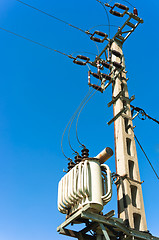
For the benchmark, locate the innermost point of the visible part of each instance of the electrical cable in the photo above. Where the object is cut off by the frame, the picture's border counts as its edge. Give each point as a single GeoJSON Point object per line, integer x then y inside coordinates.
{"type": "Point", "coordinates": [37, 43]}
{"type": "Point", "coordinates": [106, 14]}
{"type": "Point", "coordinates": [73, 117]}
{"type": "Point", "coordinates": [143, 113]}
{"type": "Point", "coordinates": [52, 16]}
{"type": "Point", "coordinates": [79, 116]}
{"type": "Point", "coordinates": [71, 120]}
{"type": "Point", "coordinates": [146, 157]}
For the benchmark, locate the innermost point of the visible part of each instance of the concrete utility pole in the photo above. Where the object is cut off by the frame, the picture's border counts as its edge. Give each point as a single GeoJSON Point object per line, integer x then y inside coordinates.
{"type": "Point", "coordinates": [130, 198]}
{"type": "Point", "coordinates": [79, 197]}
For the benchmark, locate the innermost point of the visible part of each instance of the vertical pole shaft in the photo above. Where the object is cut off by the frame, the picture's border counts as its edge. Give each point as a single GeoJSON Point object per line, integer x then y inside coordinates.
{"type": "Point", "coordinates": [130, 198]}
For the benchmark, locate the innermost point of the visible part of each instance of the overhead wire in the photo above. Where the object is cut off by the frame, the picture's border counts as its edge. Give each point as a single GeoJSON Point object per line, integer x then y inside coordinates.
{"type": "Point", "coordinates": [106, 14]}
{"type": "Point", "coordinates": [79, 116]}
{"type": "Point", "coordinates": [146, 157]}
{"type": "Point", "coordinates": [50, 15]}
{"type": "Point", "coordinates": [73, 117]}
{"type": "Point", "coordinates": [143, 113]}
{"type": "Point", "coordinates": [84, 101]}
{"type": "Point", "coordinates": [35, 42]}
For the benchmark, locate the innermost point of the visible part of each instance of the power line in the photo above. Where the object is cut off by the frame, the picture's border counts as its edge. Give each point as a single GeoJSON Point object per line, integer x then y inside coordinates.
{"type": "Point", "coordinates": [143, 113]}
{"type": "Point", "coordinates": [146, 157]}
{"type": "Point", "coordinates": [106, 14]}
{"type": "Point", "coordinates": [37, 43]}
{"type": "Point", "coordinates": [52, 16]}
{"type": "Point", "coordinates": [79, 116]}
{"type": "Point", "coordinates": [75, 114]}
{"type": "Point", "coordinates": [70, 123]}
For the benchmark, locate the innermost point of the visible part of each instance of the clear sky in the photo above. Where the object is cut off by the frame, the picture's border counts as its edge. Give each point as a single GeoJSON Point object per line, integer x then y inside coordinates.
{"type": "Point", "coordinates": [39, 92]}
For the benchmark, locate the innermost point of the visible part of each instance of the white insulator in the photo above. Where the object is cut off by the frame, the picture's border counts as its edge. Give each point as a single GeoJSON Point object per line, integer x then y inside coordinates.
{"type": "Point", "coordinates": [104, 155]}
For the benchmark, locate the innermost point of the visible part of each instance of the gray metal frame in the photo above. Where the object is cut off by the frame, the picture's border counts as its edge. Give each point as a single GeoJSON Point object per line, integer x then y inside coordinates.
{"type": "Point", "coordinates": [110, 226]}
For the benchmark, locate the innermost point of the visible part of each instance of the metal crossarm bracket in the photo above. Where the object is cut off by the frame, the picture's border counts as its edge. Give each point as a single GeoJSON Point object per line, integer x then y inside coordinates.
{"type": "Point", "coordinates": [128, 99]}
{"type": "Point", "coordinates": [114, 99]}
{"type": "Point", "coordinates": [118, 36]}
{"type": "Point", "coordinates": [124, 109]}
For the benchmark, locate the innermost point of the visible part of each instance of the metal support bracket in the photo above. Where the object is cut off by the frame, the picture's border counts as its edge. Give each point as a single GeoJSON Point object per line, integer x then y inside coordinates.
{"type": "Point", "coordinates": [104, 231]}
{"type": "Point", "coordinates": [114, 99]}
{"type": "Point", "coordinates": [129, 100]}
{"type": "Point", "coordinates": [124, 109]}
{"type": "Point", "coordinates": [110, 226]}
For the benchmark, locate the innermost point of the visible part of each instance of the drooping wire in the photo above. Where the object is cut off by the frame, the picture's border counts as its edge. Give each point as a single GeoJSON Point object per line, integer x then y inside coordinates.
{"type": "Point", "coordinates": [70, 123]}
{"type": "Point", "coordinates": [62, 140]}
{"type": "Point", "coordinates": [37, 43]}
{"type": "Point", "coordinates": [146, 157]}
{"type": "Point", "coordinates": [79, 116]}
{"type": "Point", "coordinates": [106, 14]}
{"type": "Point", "coordinates": [73, 117]}
{"type": "Point", "coordinates": [50, 15]}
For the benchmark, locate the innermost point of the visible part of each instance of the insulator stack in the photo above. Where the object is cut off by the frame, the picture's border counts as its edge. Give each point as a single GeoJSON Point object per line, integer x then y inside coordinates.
{"type": "Point", "coordinates": [78, 159]}
{"type": "Point", "coordinates": [95, 39]}
{"type": "Point", "coordinates": [79, 62]}
{"type": "Point", "coordinates": [96, 87]}
{"type": "Point", "coordinates": [116, 53]}
{"type": "Point", "coordinates": [117, 65]}
{"type": "Point", "coordinates": [96, 75]}
{"type": "Point", "coordinates": [115, 13]}
{"type": "Point", "coordinates": [102, 34]}
{"type": "Point", "coordinates": [85, 153]}
{"type": "Point", "coordinates": [105, 64]}
{"type": "Point", "coordinates": [83, 57]}
{"type": "Point", "coordinates": [135, 12]}
{"type": "Point", "coordinates": [121, 6]}
{"type": "Point", "coordinates": [106, 76]}
{"type": "Point", "coordinates": [71, 164]}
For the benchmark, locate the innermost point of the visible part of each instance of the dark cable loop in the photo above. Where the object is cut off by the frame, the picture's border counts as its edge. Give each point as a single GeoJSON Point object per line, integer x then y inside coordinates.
{"type": "Point", "coordinates": [73, 117]}
{"type": "Point", "coordinates": [79, 116]}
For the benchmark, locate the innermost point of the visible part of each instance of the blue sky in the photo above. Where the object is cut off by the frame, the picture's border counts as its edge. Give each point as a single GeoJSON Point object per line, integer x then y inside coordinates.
{"type": "Point", "coordinates": [39, 92]}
